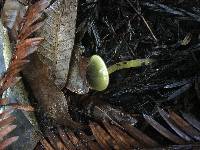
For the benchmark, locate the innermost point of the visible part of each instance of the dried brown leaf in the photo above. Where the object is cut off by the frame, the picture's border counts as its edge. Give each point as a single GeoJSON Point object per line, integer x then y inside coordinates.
{"type": "Point", "coordinates": [105, 111]}
{"type": "Point", "coordinates": [24, 48]}
{"type": "Point", "coordinates": [46, 144]}
{"type": "Point", "coordinates": [162, 130]}
{"type": "Point", "coordinates": [55, 141]}
{"type": "Point", "coordinates": [39, 6]}
{"type": "Point", "coordinates": [102, 137]}
{"type": "Point", "coordinates": [168, 120]}
{"type": "Point", "coordinates": [59, 34]}
{"type": "Point", "coordinates": [54, 103]}
{"type": "Point", "coordinates": [65, 139]}
{"type": "Point", "coordinates": [6, 128]}
{"type": "Point", "coordinates": [192, 120]}
{"type": "Point", "coordinates": [89, 141]}
{"type": "Point", "coordinates": [75, 140]}
{"type": "Point", "coordinates": [93, 145]}
{"type": "Point", "coordinates": [123, 140]}
{"type": "Point", "coordinates": [77, 81]}
{"type": "Point", "coordinates": [142, 138]}
{"type": "Point", "coordinates": [185, 126]}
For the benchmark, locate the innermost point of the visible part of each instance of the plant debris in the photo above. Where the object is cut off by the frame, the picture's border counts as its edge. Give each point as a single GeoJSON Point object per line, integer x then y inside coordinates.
{"type": "Point", "coordinates": [142, 107]}
{"type": "Point", "coordinates": [109, 136]}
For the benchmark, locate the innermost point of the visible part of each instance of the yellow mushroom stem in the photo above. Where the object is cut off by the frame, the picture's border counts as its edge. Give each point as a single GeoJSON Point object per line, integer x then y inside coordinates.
{"type": "Point", "coordinates": [129, 64]}
{"type": "Point", "coordinates": [98, 73]}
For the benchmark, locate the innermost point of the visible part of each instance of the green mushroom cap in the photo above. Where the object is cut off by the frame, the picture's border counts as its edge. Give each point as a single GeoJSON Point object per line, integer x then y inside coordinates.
{"type": "Point", "coordinates": [97, 73]}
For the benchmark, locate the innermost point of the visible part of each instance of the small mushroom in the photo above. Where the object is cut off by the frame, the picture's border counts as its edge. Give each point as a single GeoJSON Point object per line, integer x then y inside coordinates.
{"type": "Point", "coordinates": [98, 73]}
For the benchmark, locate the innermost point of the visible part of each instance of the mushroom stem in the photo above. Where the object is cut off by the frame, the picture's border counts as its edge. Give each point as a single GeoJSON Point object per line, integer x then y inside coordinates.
{"type": "Point", "coordinates": [129, 64]}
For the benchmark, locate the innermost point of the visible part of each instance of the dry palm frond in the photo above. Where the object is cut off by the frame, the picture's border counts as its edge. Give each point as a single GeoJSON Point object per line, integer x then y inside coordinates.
{"type": "Point", "coordinates": [109, 136]}
{"type": "Point", "coordinates": [24, 47]}
{"type": "Point", "coordinates": [68, 140]}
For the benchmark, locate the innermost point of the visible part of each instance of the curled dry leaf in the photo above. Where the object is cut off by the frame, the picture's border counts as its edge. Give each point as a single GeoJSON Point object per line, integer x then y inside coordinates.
{"type": "Point", "coordinates": [76, 81]}
{"type": "Point", "coordinates": [51, 100]}
{"type": "Point", "coordinates": [48, 71]}
{"type": "Point", "coordinates": [59, 34]}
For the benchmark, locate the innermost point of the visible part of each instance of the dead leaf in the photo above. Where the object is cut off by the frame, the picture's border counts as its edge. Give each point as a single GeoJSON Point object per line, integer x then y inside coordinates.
{"type": "Point", "coordinates": [65, 139]}
{"type": "Point", "coordinates": [123, 140]}
{"type": "Point", "coordinates": [162, 130]}
{"type": "Point", "coordinates": [172, 124]}
{"type": "Point", "coordinates": [46, 144]}
{"type": "Point", "coordinates": [102, 137]}
{"type": "Point", "coordinates": [142, 138]}
{"type": "Point", "coordinates": [59, 34]}
{"type": "Point", "coordinates": [185, 126]}
{"type": "Point", "coordinates": [77, 81]}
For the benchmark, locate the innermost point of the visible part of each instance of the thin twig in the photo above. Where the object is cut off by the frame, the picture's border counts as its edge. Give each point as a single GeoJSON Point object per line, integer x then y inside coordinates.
{"type": "Point", "coordinates": [145, 22]}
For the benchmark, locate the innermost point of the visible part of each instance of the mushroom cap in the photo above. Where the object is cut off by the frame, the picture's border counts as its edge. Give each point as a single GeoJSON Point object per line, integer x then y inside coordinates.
{"type": "Point", "coordinates": [97, 73]}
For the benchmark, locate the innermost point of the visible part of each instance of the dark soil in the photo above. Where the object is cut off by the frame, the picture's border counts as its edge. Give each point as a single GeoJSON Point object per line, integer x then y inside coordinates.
{"type": "Point", "coordinates": [130, 29]}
